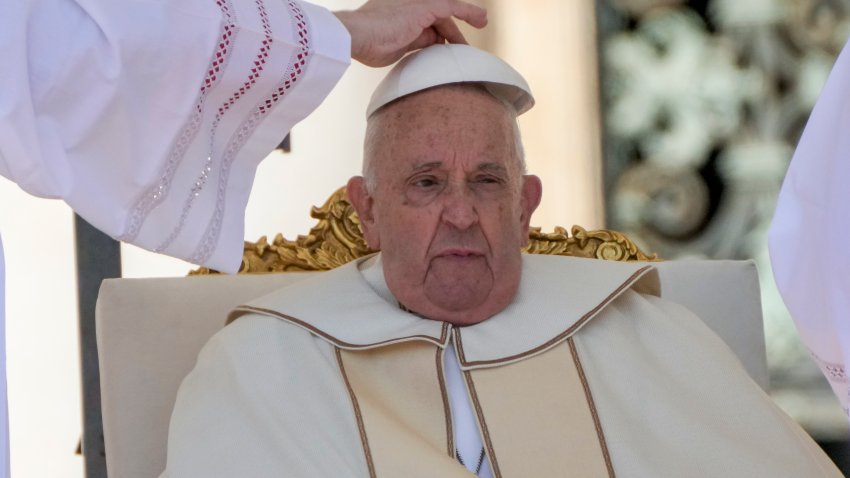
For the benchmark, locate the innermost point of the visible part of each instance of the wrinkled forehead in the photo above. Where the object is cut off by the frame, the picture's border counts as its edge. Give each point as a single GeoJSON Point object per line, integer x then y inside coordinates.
{"type": "Point", "coordinates": [459, 127]}
{"type": "Point", "coordinates": [458, 114]}
{"type": "Point", "coordinates": [452, 100]}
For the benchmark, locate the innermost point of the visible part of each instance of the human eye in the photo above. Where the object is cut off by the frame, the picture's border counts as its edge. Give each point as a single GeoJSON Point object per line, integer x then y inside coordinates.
{"type": "Point", "coordinates": [487, 181]}
{"type": "Point", "coordinates": [423, 188]}
{"type": "Point", "coordinates": [425, 182]}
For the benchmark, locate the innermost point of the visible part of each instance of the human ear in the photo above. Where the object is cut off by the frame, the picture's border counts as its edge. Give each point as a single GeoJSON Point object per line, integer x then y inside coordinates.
{"type": "Point", "coordinates": [532, 191]}
{"type": "Point", "coordinates": [363, 203]}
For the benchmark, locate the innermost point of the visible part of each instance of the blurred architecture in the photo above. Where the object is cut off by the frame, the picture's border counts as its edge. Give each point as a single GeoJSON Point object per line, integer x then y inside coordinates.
{"type": "Point", "coordinates": [703, 103]}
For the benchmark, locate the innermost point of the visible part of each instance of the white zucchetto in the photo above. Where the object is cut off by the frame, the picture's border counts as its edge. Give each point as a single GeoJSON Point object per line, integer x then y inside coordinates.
{"type": "Point", "coordinates": [452, 63]}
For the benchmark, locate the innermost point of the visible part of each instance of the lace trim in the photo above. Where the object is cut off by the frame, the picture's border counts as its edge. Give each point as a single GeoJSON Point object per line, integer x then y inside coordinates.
{"type": "Point", "coordinates": [152, 197]}
{"type": "Point", "coordinates": [834, 372]}
{"type": "Point", "coordinates": [201, 180]}
{"type": "Point", "coordinates": [297, 65]}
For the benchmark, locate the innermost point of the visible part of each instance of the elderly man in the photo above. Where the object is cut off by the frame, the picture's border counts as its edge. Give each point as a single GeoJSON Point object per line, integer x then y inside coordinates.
{"type": "Point", "coordinates": [449, 353]}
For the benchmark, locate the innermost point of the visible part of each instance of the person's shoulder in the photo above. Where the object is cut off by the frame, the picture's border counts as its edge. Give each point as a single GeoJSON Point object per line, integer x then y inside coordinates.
{"type": "Point", "coordinates": [250, 327]}
{"type": "Point", "coordinates": [258, 352]}
{"type": "Point", "coordinates": [254, 338]}
{"type": "Point", "coordinates": [655, 306]}
{"type": "Point", "coordinates": [652, 315]}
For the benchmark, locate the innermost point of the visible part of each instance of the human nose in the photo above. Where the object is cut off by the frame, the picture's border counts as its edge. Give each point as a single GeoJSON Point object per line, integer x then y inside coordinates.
{"type": "Point", "coordinates": [459, 207]}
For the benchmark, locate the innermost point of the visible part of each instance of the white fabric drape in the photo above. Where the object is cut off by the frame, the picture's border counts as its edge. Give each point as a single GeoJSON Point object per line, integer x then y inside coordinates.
{"type": "Point", "coordinates": [808, 239]}
{"type": "Point", "coordinates": [149, 117]}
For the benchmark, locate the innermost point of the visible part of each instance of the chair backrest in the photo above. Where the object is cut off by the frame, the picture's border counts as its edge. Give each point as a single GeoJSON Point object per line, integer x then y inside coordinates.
{"type": "Point", "coordinates": [149, 333]}
{"type": "Point", "coordinates": [150, 330]}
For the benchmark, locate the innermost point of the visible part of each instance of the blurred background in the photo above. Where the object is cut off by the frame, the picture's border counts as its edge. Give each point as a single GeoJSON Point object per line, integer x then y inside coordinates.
{"type": "Point", "coordinates": [702, 104]}
{"type": "Point", "coordinates": [673, 121]}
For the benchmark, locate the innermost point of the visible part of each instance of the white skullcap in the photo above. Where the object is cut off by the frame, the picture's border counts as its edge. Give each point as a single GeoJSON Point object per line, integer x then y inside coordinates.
{"type": "Point", "coordinates": [452, 63]}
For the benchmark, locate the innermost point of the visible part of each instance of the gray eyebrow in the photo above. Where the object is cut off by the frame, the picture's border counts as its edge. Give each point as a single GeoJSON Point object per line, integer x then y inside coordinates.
{"type": "Point", "coordinates": [494, 167]}
{"type": "Point", "coordinates": [427, 166]}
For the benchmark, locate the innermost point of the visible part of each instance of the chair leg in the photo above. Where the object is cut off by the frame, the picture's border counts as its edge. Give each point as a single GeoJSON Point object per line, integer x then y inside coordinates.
{"type": "Point", "coordinates": [98, 258]}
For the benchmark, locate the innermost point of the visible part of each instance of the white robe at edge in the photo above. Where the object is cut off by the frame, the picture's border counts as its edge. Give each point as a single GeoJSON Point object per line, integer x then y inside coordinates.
{"type": "Point", "coordinates": [150, 117]}
{"type": "Point", "coordinates": [809, 235]}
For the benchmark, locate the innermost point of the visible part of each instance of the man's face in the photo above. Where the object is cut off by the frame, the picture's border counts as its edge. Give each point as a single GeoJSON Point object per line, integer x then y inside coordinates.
{"type": "Point", "coordinates": [450, 207]}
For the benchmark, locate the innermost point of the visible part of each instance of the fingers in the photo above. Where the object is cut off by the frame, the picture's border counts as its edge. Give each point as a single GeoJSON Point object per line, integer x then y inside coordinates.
{"type": "Point", "coordinates": [447, 29]}
{"type": "Point", "coordinates": [427, 38]}
{"type": "Point", "coordinates": [474, 15]}
{"type": "Point", "coordinates": [384, 30]}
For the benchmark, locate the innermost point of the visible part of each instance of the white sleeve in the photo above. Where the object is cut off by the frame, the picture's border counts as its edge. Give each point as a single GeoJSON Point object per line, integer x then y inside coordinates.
{"type": "Point", "coordinates": [808, 237]}
{"type": "Point", "coordinates": [149, 117]}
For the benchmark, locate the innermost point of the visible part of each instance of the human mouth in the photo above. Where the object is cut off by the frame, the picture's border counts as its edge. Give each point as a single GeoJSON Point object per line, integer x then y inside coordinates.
{"type": "Point", "coordinates": [459, 254]}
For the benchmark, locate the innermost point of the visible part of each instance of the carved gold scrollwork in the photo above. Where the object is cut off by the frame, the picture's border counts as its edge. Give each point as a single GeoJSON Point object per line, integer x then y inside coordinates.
{"type": "Point", "coordinates": [336, 239]}
{"type": "Point", "coordinates": [598, 244]}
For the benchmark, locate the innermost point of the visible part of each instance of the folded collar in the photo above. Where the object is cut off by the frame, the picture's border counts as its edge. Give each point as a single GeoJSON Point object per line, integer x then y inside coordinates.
{"type": "Point", "coordinates": [556, 297]}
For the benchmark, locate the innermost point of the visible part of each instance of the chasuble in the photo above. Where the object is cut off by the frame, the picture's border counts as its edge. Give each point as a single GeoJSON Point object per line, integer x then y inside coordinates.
{"type": "Point", "coordinates": [587, 373]}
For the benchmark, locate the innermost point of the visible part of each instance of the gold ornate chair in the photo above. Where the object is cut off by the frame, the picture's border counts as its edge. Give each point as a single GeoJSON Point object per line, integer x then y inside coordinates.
{"type": "Point", "coordinates": [151, 330]}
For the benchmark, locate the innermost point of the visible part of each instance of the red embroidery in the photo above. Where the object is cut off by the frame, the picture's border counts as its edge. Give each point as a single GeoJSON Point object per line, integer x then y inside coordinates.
{"type": "Point", "coordinates": [153, 196]}
{"type": "Point", "coordinates": [298, 64]}
{"type": "Point", "coordinates": [259, 61]}
{"type": "Point", "coordinates": [201, 179]}
{"type": "Point", "coordinates": [296, 68]}
{"type": "Point", "coordinates": [221, 50]}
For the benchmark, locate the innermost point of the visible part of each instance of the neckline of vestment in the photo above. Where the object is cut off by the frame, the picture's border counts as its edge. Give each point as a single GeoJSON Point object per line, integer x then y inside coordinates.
{"type": "Point", "coordinates": [557, 296]}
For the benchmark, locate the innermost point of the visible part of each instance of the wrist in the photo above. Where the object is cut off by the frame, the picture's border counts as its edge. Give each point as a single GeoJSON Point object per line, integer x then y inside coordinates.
{"type": "Point", "coordinates": [346, 18]}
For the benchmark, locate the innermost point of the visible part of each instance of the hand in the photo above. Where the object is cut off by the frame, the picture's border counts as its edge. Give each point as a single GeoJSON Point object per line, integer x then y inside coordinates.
{"type": "Point", "coordinates": [382, 31]}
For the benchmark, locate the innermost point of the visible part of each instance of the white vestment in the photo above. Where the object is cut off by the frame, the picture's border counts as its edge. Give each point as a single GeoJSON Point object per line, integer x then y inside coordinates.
{"type": "Point", "coordinates": [149, 118]}
{"type": "Point", "coordinates": [586, 373]}
{"type": "Point", "coordinates": [810, 229]}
